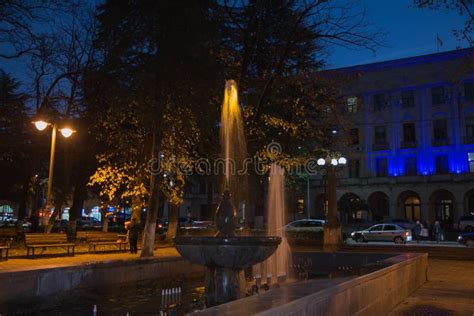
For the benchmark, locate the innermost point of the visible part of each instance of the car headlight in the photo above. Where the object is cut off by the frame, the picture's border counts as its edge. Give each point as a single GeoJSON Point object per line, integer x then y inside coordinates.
{"type": "Point", "coordinates": [459, 237]}
{"type": "Point", "coordinates": [353, 234]}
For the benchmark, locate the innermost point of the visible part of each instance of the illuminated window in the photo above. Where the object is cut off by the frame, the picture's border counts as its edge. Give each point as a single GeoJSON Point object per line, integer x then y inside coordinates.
{"type": "Point", "coordinates": [412, 208]}
{"type": "Point", "coordinates": [300, 205]}
{"type": "Point", "coordinates": [352, 105]}
{"type": "Point", "coordinates": [470, 158]}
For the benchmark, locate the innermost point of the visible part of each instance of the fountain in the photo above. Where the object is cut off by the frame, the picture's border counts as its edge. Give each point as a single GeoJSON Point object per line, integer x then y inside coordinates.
{"type": "Point", "coordinates": [276, 268]}
{"type": "Point", "coordinates": [226, 255]}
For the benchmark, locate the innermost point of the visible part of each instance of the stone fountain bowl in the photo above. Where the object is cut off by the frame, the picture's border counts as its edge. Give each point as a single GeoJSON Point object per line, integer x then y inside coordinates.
{"type": "Point", "coordinates": [226, 252]}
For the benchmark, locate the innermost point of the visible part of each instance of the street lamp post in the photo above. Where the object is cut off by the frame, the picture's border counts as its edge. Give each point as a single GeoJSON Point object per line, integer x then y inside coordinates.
{"type": "Point", "coordinates": [66, 132]}
{"type": "Point", "coordinates": [332, 227]}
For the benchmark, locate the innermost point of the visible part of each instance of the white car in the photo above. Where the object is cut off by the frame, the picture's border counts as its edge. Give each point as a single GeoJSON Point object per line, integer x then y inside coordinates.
{"type": "Point", "coordinates": [383, 232]}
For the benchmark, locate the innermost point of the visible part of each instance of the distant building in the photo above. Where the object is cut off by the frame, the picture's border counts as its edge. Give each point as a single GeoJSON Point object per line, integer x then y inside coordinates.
{"type": "Point", "coordinates": [412, 152]}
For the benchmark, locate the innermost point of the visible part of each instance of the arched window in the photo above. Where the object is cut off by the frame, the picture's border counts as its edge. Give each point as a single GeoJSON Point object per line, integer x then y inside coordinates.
{"type": "Point", "coordinates": [412, 208]}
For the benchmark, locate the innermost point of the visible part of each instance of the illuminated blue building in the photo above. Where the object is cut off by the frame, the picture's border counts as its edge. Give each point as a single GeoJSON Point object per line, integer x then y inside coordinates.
{"type": "Point", "coordinates": [413, 140]}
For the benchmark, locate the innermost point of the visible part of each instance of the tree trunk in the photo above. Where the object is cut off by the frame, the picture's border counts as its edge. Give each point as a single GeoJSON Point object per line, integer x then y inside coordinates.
{"type": "Point", "coordinates": [173, 215]}
{"type": "Point", "coordinates": [23, 199]}
{"type": "Point", "coordinates": [57, 210]}
{"type": "Point", "coordinates": [79, 196]}
{"type": "Point", "coordinates": [151, 217]}
{"type": "Point", "coordinates": [105, 221]}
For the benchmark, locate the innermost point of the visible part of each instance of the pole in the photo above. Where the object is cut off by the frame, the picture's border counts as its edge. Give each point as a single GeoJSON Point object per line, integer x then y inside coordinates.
{"type": "Point", "coordinates": [51, 166]}
{"type": "Point", "coordinates": [308, 198]}
{"type": "Point", "coordinates": [332, 228]}
{"type": "Point", "coordinates": [332, 199]}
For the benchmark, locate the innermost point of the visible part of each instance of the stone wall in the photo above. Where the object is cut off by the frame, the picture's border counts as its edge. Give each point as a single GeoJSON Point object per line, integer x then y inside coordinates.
{"type": "Point", "coordinates": [49, 281]}
{"type": "Point", "coordinates": [375, 293]}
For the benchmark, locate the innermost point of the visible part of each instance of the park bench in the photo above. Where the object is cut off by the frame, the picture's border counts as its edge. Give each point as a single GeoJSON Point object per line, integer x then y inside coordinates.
{"type": "Point", "coordinates": [98, 238]}
{"type": "Point", "coordinates": [6, 247]}
{"type": "Point", "coordinates": [40, 240]}
{"type": "Point", "coordinates": [8, 233]}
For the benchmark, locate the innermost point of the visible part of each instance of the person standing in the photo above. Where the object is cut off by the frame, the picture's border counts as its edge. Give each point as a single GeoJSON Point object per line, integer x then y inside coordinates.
{"type": "Point", "coordinates": [133, 235]}
{"type": "Point", "coordinates": [437, 231]}
{"type": "Point", "coordinates": [417, 231]}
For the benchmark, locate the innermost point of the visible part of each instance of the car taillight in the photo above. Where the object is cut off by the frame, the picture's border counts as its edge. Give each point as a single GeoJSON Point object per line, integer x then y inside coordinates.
{"type": "Point", "coordinates": [160, 226]}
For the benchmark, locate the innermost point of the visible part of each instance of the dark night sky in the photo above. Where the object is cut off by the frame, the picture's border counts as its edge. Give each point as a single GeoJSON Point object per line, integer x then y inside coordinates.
{"type": "Point", "coordinates": [411, 32]}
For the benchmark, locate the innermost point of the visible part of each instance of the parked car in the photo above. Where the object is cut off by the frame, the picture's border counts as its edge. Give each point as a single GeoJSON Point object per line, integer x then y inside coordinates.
{"type": "Point", "coordinates": [466, 239]}
{"type": "Point", "coordinates": [86, 223]}
{"type": "Point", "coordinates": [404, 222]}
{"type": "Point", "coordinates": [161, 226]}
{"type": "Point", "coordinates": [305, 225]}
{"type": "Point", "coordinates": [383, 232]}
{"type": "Point", "coordinates": [466, 223]}
{"type": "Point", "coordinates": [60, 226]}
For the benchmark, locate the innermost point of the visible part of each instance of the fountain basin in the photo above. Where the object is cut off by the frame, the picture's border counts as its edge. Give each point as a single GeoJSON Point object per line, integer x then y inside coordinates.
{"type": "Point", "coordinates": [225, 258]}
{"type": "Point", "coordinates": [237, 252]}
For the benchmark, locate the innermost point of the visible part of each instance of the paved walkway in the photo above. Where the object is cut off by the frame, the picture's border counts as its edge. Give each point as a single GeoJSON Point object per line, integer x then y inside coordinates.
{"type": "Point", "coordinates": [449, 291]}
{"type": "Point", "coordinates": [23, 264]}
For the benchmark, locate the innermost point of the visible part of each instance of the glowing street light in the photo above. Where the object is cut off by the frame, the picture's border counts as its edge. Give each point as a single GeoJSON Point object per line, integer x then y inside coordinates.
{"type": "Point", "coordinates": [66, 132]}
{"type": "Point", "coordinates": [332, 228]}
{"type": "Point", "coordinates": [40, 125]}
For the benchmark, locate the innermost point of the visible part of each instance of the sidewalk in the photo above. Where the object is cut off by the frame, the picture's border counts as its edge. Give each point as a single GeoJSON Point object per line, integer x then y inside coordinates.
{"type": "Point", "coordinates": [24, 264]}
{"type": "Point", "coordinates": [449, 291]}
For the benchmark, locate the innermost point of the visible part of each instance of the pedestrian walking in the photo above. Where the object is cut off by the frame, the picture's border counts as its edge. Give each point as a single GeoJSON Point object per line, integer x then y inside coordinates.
{"type": "Point", "coordinates": [417, 231]}
{"type": "Point", "coordinates": [437, 231]}
{"type": "Point", "coordinates": [132, 228]}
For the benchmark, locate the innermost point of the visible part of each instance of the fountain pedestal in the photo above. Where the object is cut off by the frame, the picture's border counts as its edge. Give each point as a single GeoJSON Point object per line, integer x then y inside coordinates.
{"type": "Point", "coordinates": [332, 237]}
{"type": "Point", "coordinates": [225, 255]}
{"type": "Point", "coordinates": [225, 259]}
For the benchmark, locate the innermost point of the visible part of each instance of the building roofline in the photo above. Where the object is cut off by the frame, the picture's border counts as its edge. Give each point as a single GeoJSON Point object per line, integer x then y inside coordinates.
{"type": "Point", "coordinates": [408, 61]}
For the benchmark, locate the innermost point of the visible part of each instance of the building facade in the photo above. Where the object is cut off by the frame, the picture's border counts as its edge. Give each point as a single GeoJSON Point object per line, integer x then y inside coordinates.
{"type": "Point", "coordinates": [412, 152]}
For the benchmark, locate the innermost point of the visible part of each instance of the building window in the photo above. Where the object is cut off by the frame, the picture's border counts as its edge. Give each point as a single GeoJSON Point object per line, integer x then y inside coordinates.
{"type": "Point", "coordinates": [380, 135]}
{"type": "Point", "coordinates": [379, 102]}
{"type": "Point", "coordinates": [408, 99]}
{"type": "Point", "coordinates": [410, 166]}
{"type": "Point", "coordinates": [409, 133]}
{"type": "Point", "coordinates": [352, 104]}
{"type": "Point", "coordinates": [440, 129]}
{"type": "Point", "coordinates": [301, 205]}
{"type": "Point", "coordinates": [469, 129]}
{"type": "Point", "coordinates": [355, 136]}
{"type": "Point", "coordinates": [441, 164]}
{"type": "Point", "coordinates": [381, 167]}
{"type": "Point", "coordinates": [412, 208]}
{"type": "Point", "coordinates": [354, 166]}
{"type": "Point", "coordinates": [469, 91]}
{"type": "Point", "coordinates": [437, 95]}
{"type": "Point", "coordinates": [470, 159]}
